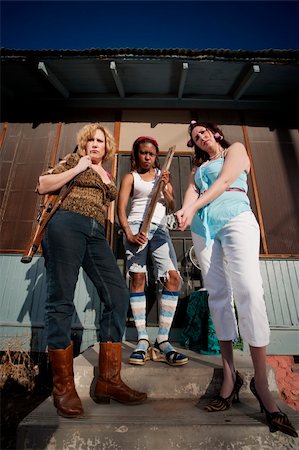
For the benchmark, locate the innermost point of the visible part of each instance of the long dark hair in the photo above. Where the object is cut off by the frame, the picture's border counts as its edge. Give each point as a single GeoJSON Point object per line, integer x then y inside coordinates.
{"type": "Point", "coordinates": [200, 156]}
{"type": "Point", "coordinates": [135, 149]}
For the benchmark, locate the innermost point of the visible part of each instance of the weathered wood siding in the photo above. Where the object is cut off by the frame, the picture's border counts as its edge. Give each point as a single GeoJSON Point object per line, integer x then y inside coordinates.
{"type": "Point", "coordinates": [281, 287]}
{"type": "Point", "coordinates": [28, 149]}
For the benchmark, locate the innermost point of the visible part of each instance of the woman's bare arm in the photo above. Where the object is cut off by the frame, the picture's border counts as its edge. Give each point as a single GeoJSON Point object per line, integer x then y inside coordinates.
{"type": "Point", "coordinates": [53, 182]}
{"type": "Point", "coordinates": [123, 199]}
{"type": "Point", "coordinates": [236, 161]}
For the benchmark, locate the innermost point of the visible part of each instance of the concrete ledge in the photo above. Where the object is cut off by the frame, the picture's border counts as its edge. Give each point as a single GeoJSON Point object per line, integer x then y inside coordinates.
{"type": "Point", "coordinates": [155, 425]}
{"type": "Point", "coordinates": [173, 417]}
{"type": "Point", "coordinates": [202, 376]}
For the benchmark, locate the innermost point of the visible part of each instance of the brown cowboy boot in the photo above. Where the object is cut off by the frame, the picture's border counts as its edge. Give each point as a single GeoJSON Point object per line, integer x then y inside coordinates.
{"type": "Point", "coordinates": [66, 399]}
{"type": "Point", "coordinates": [109, 384]}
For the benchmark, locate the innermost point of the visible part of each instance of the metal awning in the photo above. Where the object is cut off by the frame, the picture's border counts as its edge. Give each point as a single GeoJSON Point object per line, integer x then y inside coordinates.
{"type": "Point", "coordinates": [52, 80]}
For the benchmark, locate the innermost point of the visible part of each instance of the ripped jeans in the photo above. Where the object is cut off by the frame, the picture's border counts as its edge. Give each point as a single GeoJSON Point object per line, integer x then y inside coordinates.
{"type": "Point", "coordinates": [160, 247]}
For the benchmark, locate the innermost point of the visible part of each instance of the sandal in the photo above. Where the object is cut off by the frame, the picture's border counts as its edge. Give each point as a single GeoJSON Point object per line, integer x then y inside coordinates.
{"type": "Point", "coordinates": [139, 357]}
{"type": "Point", "coordinates": [172, 358]}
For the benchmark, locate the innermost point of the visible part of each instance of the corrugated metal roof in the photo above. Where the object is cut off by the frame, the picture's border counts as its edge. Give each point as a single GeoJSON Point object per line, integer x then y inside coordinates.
{"type": "Point", "coordinates": [291, 55]}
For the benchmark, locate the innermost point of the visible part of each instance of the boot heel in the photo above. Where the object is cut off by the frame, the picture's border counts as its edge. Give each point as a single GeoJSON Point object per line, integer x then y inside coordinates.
{"type": "Point", "coordinates": [109, 383]}
{"type": "Point", "coordinates": [65, 396]}
{"type": "Point", "coordinates": [272, 428]}
{"type": "Point", "coordinates": [237, 398]}
{"type": "Point", "coordinates": [102, 400]}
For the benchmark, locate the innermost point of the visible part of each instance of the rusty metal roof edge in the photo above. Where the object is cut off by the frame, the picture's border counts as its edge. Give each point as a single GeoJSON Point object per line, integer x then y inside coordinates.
{"type": "Point", "coordinates": [267, 55]}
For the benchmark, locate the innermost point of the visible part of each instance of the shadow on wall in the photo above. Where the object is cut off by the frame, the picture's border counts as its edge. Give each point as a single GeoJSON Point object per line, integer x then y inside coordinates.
{"type": "Point", "coordinates": [34, 308]}
{"type": "Point", "coordinates": [23, 303]}
{"type": "Point", "coordinates": [94, 304]}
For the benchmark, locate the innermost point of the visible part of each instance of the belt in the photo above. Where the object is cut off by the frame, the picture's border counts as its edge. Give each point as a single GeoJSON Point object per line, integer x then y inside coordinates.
{"type": "Point", "coordinates": [235, 189]}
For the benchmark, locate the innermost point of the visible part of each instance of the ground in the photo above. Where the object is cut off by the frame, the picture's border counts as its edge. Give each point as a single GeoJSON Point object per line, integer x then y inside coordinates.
{"type": "Point", "coordinates": [17, 402]}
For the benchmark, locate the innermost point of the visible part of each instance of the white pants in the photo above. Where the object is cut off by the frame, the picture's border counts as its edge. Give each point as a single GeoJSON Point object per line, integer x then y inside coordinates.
{"type": "Point", "coordinates": [231, 273]}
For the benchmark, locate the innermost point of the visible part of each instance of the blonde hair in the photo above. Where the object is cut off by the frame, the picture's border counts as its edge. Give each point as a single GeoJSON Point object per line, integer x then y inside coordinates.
{"type": "Point", "coordinates": [88, 132]}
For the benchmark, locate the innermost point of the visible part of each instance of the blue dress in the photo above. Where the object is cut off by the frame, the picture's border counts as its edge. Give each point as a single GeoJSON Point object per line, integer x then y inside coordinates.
{"type": "Point", "coordinates": [208, 220]}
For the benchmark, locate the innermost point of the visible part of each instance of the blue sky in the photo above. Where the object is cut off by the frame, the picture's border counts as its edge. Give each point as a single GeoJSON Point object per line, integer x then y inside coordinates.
{"type": "Point", "coordinates": [247, 25]}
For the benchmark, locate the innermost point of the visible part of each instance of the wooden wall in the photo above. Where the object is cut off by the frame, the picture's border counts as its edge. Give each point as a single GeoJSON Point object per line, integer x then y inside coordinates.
{"type": "Point", "coordinates": [28, 149]}
{"type": "Point", "coordinates": [23, 294]}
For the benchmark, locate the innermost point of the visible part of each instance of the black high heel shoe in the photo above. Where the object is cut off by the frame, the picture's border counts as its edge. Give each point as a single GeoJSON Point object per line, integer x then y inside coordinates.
{"type": "Point", "coordinates": [222, 404]}
{"type": "Point", "coordinates": [277, 421]}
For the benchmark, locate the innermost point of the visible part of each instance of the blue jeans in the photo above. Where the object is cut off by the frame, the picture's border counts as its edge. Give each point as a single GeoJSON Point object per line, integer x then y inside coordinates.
{"type": "Point", "coordinates": [71, 241]}
{"type": "Point", "coordinates": [160, 247]}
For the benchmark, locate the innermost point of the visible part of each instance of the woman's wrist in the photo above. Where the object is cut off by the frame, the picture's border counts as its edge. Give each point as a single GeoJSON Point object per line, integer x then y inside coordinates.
{"type": "Point", "coordinates": [76, 170]}
{"type": "Point", "coordinates": [127, 231]}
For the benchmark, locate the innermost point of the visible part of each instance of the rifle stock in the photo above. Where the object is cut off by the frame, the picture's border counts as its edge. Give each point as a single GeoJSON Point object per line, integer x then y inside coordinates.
{"type": "Point", "coordinates": [48, 209]}
{"type": "Point", "coordinates": [151, 207]}
{"type": "Point", "coordinates": [43, 217]}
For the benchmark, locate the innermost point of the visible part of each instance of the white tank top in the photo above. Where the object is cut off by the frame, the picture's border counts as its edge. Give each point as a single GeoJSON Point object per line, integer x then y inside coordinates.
{"type": "Point", "coordinates": [142, 194]}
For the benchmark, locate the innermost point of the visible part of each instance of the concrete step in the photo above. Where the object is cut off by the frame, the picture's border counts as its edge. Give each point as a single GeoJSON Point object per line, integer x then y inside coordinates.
{"type": "Point", "coordinates": [156, 425]}
{"type": "Point", "coordinates": [172, 418]}
{"type": "Point", "coordinates": [201, 376]}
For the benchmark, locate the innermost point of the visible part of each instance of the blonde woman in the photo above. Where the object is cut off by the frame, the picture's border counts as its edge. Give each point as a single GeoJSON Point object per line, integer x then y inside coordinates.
{"type": "Point", "coordinates": [75, 237]}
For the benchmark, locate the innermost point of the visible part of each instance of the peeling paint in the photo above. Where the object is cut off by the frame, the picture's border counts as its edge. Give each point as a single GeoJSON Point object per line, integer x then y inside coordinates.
{"type": "Point", "coordinates": [190, 388]}
{"type": "Point", "coordinates": [122, 429]}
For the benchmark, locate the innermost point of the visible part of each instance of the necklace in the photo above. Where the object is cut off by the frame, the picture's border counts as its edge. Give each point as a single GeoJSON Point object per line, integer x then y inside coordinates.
{"type": "Point", "coordinates": [216, 154]}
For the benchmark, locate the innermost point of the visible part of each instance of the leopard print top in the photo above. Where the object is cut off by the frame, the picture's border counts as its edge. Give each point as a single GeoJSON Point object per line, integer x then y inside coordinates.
{"type": "Point", "coordinates": [90, 196]}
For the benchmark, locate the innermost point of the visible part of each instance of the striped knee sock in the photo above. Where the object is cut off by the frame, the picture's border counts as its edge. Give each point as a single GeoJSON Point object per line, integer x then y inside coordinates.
{"type": "Point", "coordinates": [138, 306]}
{"type": "Point", "coordinates": [168, 304]}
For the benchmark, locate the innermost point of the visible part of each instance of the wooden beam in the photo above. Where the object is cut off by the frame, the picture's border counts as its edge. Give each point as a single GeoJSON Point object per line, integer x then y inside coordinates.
{"type": "Point", "coordinates": [54, 105]}
{"type": "Point", "coordinates": [111, 209]}
{"type": "Point", "coordinates": [117, 79]}
{"type": "Point", "coordinates": [56, 143]}
{"type": "Point", "coordinates": [245, 81]}
{"type": "Point", "coordinates": [51, 77]}
{"type": "Point", "coordinates": [3, 132]}
{"type": "Point", "coordinates": [255, 191]}
{"type": "Point", "coordinates": [183, 78]}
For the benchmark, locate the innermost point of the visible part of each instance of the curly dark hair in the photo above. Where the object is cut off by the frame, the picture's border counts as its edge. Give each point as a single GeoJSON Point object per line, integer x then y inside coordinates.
{"type": "Point", "coordinates": [200, 156]}
{"type": "Point", "coordinates": [134, 155]}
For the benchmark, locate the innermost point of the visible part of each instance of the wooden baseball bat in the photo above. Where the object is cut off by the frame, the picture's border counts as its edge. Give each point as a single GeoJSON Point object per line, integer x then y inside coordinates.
{"type": "Point", "coordinates": [152, 205]}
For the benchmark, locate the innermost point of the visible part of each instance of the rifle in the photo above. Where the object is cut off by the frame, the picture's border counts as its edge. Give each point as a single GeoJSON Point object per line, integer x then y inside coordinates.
{"type": "Point", "coordinates": [48, 209]}
{"type": "Point", "coordinates": [151, 207]}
